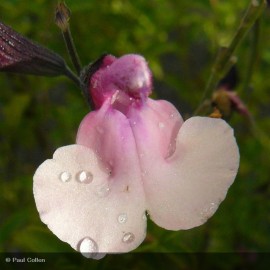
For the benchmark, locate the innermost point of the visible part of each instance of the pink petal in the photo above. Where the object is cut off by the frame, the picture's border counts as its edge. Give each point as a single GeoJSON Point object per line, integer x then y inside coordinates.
{"type": "Point", "coordinates": [103, 215]}
{"type": "Point", "coordinates": [128, 75]}
{"type": "Point", "coordinates": [186, 188]}
{"type": "Point", "coordinates": [155, 126]}
{"type": "Point", "coordinates": [238, 103]}
{"type": "Point", "coordinates": [108, 133]}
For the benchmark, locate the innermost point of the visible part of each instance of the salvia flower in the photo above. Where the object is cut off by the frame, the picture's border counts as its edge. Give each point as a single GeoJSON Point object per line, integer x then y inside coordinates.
{"type": "Point", "coordinates": [133, 156]}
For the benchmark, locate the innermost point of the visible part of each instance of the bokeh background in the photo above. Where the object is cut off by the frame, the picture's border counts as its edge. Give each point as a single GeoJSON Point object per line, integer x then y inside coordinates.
{"type": "Point", "coordinates": [179, 39]}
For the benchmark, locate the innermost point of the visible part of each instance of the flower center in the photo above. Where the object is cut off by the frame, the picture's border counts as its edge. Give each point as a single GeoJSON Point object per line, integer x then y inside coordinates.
{"type": "Point", "coordinates": [126, 81]}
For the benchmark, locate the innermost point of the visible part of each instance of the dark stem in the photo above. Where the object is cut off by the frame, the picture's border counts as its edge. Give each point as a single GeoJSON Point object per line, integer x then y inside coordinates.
{"type": "Point", "coordinates": [72, 50]}
{"type": "Point", "coordinates": [70, 74]}
{"type": "Point", "coordinates": [255, 40]}
{"type": "Point", "coordinates": [225, 58]}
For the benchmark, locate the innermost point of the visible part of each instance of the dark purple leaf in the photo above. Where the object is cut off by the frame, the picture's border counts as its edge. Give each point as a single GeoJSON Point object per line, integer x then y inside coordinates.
{"type": "Point", "coordinates": [21, 55]}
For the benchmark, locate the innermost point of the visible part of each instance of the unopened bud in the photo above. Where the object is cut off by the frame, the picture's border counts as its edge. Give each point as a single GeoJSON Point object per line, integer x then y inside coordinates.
{"type": "Point", "coordinates": [216, 113]}
{"type": "Point", "coordinates": [228, 101]}
{"type": "Point", "coordinates": [62, 15]}
{"type": "Point", "coordinates": [221, 100]}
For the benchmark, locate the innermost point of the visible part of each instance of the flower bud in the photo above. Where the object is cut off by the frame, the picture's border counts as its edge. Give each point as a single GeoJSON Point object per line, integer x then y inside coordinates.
{"type": "Point", "coordinates": [62, 15]}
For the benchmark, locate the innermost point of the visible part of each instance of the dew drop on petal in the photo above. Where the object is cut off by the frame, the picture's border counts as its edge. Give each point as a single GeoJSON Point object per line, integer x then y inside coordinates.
{"type": "Point", "coordinates": [84, 177]}
{"type": "Point", "coordinates": [65, 176]}
{"type": "Point", "coordinates": [161, 125]}
{"type": "Point", "coordinates": [88, 247]}
{"type": "Point", "coordinates": [172, 115]}
{"type": "Point", "coordinates": [99, 256]}
{"type": "Point", "coordinates": [103, 190]}
{"type": "Point", "coordinates": [212, 206]}
{"type": "Point", "coordinates": [128, 238]}
{"type": "Point", "coordinates": [122, 218]}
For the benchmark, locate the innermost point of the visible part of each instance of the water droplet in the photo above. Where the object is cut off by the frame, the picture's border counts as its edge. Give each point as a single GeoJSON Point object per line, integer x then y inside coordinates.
{"type": "Point", "coordinates": [99, 256]}
{"type": "Point", "coordinates": [128, 238]}
{"type": "Point", "coordinates": [103, 190]}
{"type": "Point", "coordinates": [65, 177]}
{"type": "Point", "coordinates": [172, 115]}
{"type": "Point", "coordinates": [161, 125]}
{"type": "Point", "coordinates": [122, 218]}
{"type": "Point", "coordinates": [88, 247]}
{"type": "Point", "coordinates": [212, 206]}
{"type": "Point", "coordinates": [84, 177]}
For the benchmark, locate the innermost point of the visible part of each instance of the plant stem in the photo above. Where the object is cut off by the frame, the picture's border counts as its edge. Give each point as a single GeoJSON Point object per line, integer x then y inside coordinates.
{"type": "Point", "coordinates": [62, 16]}
{"type": "Point", "coordinates": [69, 73]}
{"type": "Point", "coordinates": [72, 50]}
{"type": "Point", "coordinates": [225, 58]}
{"type": "Point", "coordinates": [253, 54]}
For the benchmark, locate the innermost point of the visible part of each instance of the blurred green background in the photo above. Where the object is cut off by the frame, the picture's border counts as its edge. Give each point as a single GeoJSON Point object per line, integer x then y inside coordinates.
{"type": "Point", "coordinates": [179, 39]}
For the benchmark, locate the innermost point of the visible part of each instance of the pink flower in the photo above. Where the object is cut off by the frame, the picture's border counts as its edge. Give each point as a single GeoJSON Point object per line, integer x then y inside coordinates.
{"type": "Point", "coordinates": [133, 155]}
